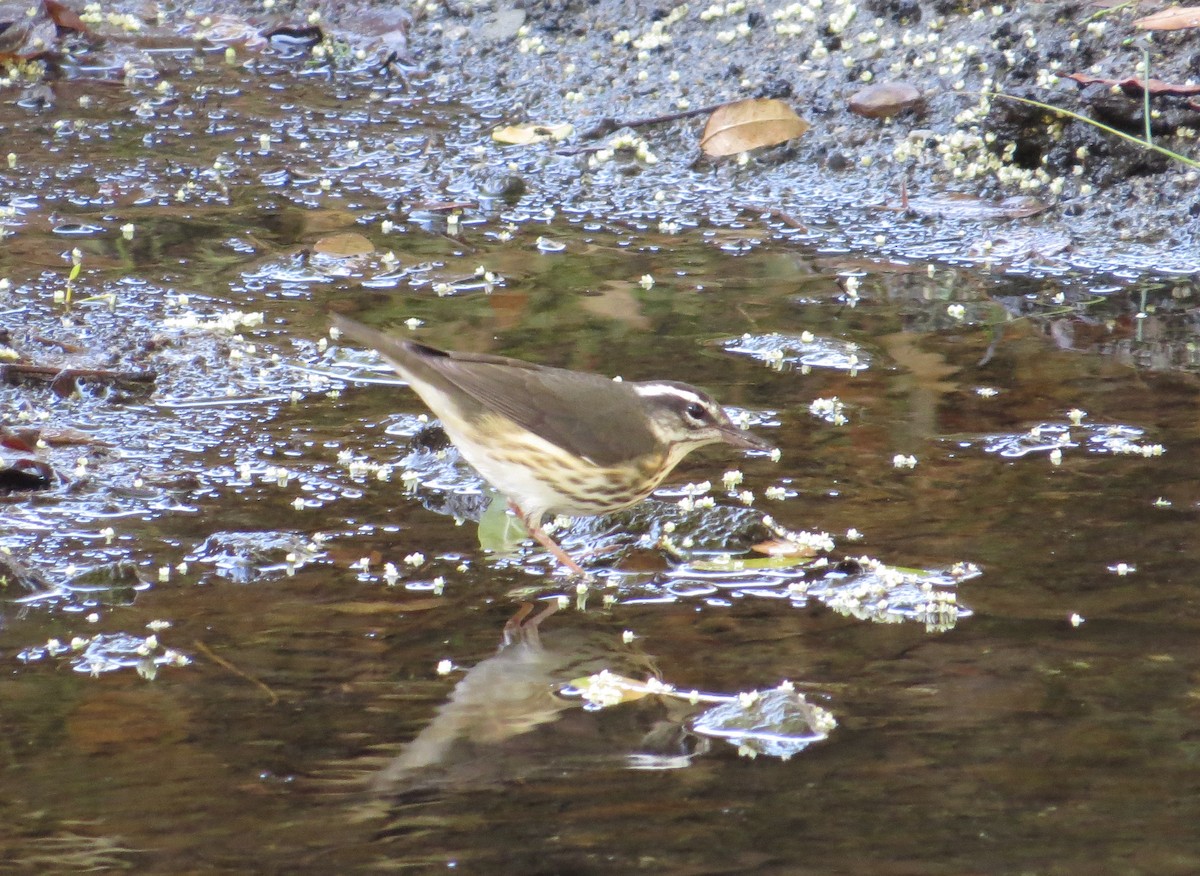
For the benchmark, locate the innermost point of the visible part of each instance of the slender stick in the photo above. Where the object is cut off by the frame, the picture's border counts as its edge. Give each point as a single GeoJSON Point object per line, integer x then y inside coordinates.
{"type": "Point", "coordinates": [225, 664]}
{"type": "Point", "coordinates": [607, 126]}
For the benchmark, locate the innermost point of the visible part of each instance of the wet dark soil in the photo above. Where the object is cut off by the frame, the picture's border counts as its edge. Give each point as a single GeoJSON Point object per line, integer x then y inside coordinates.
{"type": "Point", "coordinates": [1112, 204]}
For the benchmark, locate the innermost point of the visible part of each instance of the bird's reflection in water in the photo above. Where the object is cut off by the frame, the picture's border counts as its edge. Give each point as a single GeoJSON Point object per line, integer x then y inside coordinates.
{"type": "Point", "coordinates": [482, 734]}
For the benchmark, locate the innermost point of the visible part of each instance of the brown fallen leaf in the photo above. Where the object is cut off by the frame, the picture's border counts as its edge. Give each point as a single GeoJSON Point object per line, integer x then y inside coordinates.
{"type": "Point", "coordinates": [1134, 86]}
{"type": "Point", "coordinates": [26, 440]}
{"type": "Point", "coordinates": [528, 134]}
{"type": "Point", "coordinates": [229, 30]}
{"type": "Point", "coordinates": [65, 17]}
{"type": "Point", "coordinates": [1175, 18]}
{"type": "Point", "coordinates": [29, 37]}
{"type": "Point", "coordinates": [884, 99]}
{"type": "Point", "coordinates": [346, 245]}
{"type": "Point", "coordinates": [107, 720]}
{"type": "Point", "coordinates": [748, 124]}
{"type": "Point", "coordinates": [65, 436]}
{"type": "Point", "coordinates": [21, 443]}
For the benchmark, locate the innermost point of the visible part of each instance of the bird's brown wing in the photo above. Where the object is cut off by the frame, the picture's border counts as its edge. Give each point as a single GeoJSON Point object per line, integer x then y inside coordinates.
{"type": "Point", "coordinates": [585, 414]}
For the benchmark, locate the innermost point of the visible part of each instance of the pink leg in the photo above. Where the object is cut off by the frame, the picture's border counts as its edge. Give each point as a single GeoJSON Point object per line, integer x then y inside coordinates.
{"type": "Point", "coordinates": [540, 536]}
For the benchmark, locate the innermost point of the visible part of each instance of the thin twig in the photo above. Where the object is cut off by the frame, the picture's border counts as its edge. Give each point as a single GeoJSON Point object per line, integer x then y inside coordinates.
{"type": "Point", "coordinates": [54, 373]}
{"type": "Point", "coordinates": [607, 126]}
{"type": "Point", "coordinates": [1146, 94]}
{"type": "Point", "coordinates": [225, 664]}
{"type": "Point", "coordinates": [774, 213]}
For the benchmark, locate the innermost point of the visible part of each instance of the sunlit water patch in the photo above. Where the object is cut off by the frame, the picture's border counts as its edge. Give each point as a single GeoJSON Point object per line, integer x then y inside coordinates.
{"type": "Point", "coordinates": [693, 527]}
{"type": "Point", "coordinates": [108, 652]}
{"type": "Point", "coordinates": [779, 722]}
{"type": "Point", "coordinates": [246, 557]}
{"type": "Point", "coordinates": [803, 351]}
{"type": "Point", "coordinates": [863, 588]}
{"type": "Point", "coordinates": [1056, 438]}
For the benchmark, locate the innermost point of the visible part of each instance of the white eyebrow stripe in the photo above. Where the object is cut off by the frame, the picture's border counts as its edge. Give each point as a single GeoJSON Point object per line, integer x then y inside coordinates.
{"type": "Point", "coordinates": [652, 390]}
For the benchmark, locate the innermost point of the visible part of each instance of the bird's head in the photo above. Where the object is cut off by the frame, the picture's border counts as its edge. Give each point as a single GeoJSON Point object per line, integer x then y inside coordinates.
{"type": "Point", "coordinates": [684, 418]}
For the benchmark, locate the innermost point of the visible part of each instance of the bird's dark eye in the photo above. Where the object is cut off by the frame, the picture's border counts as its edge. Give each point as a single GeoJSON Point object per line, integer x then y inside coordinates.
{"type": "Point", "coordinates": [695, 411]}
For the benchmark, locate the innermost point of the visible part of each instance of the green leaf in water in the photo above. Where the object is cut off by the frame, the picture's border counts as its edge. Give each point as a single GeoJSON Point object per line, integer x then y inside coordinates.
{"type": "Point", "coordinates": [500, 531]}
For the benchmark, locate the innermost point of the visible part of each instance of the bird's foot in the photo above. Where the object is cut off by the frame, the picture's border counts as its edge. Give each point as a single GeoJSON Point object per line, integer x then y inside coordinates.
{"type": "Point", "coordinates": [543, 538]}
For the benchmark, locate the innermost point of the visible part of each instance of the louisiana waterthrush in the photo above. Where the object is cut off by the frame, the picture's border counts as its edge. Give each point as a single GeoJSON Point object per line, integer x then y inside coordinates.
{"type": "Point", "coordinates": [557, 441]}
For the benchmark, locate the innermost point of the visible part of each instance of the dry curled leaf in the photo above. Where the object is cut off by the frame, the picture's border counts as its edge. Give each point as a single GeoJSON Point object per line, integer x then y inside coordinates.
{"type": "Point", "coordinates": [525, 135]}
{"type": "Point", "coordinates": [748, 124]}
{"type": "Point", "coordinates": [1175, 18]}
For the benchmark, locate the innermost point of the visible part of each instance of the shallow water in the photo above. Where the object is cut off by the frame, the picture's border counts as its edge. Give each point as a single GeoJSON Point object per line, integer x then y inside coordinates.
{"type": "Point", "coordinates": [292, 715]}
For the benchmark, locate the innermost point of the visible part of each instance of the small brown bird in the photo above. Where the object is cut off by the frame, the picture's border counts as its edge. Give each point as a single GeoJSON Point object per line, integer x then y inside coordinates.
{"type": "Point", "coordinates": [555, 441]}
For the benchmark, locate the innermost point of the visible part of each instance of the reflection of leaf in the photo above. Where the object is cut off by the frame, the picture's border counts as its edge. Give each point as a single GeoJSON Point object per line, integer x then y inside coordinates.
{"type": "Point", "coordinates": [615, 301]}
{"type": "Point", "coordinates": [782, 560]}
{"type": "Point", "coordinates": [1175, 18]}
{"type": "Point", "coordinates": [778, 547]}
{"type": "Point", "coordinates": [749, 124]}
{"type": "Point", "coordinates": [524, 135]}
{"type": "Point", "coordinates": [344, 246]}
{"type": "Point", "coordinates": [382, 607]}
{"type": "Point", "coordinates": [609, 689]}
{"type": "Point", "coordinates": [961, 205]}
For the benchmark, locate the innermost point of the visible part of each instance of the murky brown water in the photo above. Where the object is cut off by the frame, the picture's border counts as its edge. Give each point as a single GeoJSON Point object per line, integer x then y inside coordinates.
{"type": "Point", "coordinates": [297, 720]}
